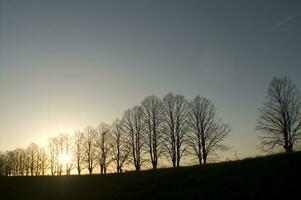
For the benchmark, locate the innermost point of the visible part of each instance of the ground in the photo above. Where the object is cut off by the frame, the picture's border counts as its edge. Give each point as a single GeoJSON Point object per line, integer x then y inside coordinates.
{"type": "Point", "coordinates": [267, 177]}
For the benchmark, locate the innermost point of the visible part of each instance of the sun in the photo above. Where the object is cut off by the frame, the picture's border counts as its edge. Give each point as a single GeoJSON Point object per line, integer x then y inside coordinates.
{"type": "Point", "coordinates": [64, 158]}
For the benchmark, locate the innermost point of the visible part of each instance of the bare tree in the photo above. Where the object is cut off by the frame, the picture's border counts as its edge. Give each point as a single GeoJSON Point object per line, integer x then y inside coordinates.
{"type": "Point", "coordinates": [279, 118]}
{"type": "Point", "coordinates": [13, 162]}
{"type": "Point", "coordinates": [21, 161]}
{"type": "Point", "coordinates": [119, 149]}
{"type": "Point", "coordinates": [89, 146]}
{"type": "Point", "coordinates": [68, 153]}
{"type": "Point", "coordinates": [61, 145]}
{"type": "Point", "coordinates": [175, 126]}
{"type": "Point", "coordinates": [52, 147]}
{"type": "Point", "coordinates": [133, 125]}
{"type": "Point", "coordinates": [64, 143]}
{"type": "Point", "coordinates": [2, 164]}
{"type": "Point", "coordinates": [37, 162]}
{"type": "Point", "coordinates": [153, 115]}
{"type": "Point", "coordinates": [16, 162]}
{"type": "Point", "coordinates": [43, 161]}
{"type": "Point", "coordinates": [33, 154]}
{"type": "Point", "coordinates": [207, 132]}
{"type": "Point", "coordinates": [103, 144]}
{"type": "Point", "coordinates": [9, 156]}
{"type": "Point", "coordinates": [78, 151]}
{"type": "Point", "coordinates": [26, 162]}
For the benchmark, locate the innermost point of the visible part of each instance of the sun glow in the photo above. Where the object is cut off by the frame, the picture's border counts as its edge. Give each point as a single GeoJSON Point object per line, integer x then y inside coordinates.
{"type": "Point", "coordinates": [64, 158]}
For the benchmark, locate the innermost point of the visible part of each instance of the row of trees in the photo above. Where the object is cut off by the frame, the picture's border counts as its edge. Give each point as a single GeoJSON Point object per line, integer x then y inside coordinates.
{"type": "Point", "coordinates": [21, 162]}
{"type": "Point", "coordinates": [157, 129]}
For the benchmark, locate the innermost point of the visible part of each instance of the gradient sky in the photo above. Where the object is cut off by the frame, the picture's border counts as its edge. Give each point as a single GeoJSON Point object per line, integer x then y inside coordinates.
{"type": "Point", "coordinates": [68, 64]}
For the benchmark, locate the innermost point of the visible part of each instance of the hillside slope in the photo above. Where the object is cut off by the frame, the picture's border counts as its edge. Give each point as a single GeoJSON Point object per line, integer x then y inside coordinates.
{"type": "Point", "coordinates": [261, 178]}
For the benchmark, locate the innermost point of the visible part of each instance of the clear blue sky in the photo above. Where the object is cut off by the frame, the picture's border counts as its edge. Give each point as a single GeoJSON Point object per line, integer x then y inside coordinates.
{"type": "Point", "coordinates": [68, 64]}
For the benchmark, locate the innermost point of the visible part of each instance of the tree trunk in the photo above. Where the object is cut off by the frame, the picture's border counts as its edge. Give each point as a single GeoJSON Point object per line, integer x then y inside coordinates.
{"type": "Point", "coordinates": [154, 164]}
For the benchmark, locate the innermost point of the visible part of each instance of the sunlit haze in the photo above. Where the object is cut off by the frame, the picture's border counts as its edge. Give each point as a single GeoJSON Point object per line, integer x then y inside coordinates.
{"type": "Point", "coordinates": [64, 158]}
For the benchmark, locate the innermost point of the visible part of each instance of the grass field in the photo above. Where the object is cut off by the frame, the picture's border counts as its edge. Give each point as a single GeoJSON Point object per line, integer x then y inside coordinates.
{"type": "Point", "coordinates": [257, 178]}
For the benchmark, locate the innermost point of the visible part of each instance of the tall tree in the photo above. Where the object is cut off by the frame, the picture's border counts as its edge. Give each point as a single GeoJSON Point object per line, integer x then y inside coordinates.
{"type": "Point", "coordinates": [279, 118]}
{"type": "Point", "coordinates": [119, 149]}
{"type": "Point", "coordinates": [207, 132]}
{"type": "Point", "coordinates": [68, 153]}
{"type": "Point", "coordinates": [22, 162]}
{"type": "Point", "coordinates": [13, 162]}
{"type": "Point", "coordinates": [2, 164]}
{"type": "Point", "coordinates": [60, 145]}
{"type": "Point", "coordinates": [26, 162]}
{"type": "Point", "coordinates": [78, 151]}
{"type": "Point", "coordinates": [175, 126]}
{"type": "Point", "coordinates": [33, 155]}
{"type": "Point", "coordinates": [43, 161]}
{"type": "Point", "coordinates": [153, 115]}
{"type": "Point", "coordinates": [133, 124]}
{"type": "Point", "coordinates": [52, 147]}
{"type": "Point", "coordinates": [103, 143]}
{"type": "Point", "coordinates": [90, 151]}
{"type": "Point", "coordinates": [9, 163]}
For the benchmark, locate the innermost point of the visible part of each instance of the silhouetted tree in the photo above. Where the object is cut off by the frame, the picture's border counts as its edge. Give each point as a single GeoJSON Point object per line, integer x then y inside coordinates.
{"type": "Point", "coordinates": [33, 158]}
{"type": "Point", "coordinates": [43, 161]}
{"type": "Point", "coordinates": [207, 132]}
{"type": "Point", "coordinates": [153, 116]}
{"type": "Point", "coordinates": [21, 161]}
{"type": "Point", "coordinates": [279, 118]}
{"type": "Point", "coordinates": [133, 125]}
{"type": "Point", "coordinates": [26, 162]}
{"type": "Point", "coordinates": [103, 143]}
{"type": "Point", "coordinates": [175, 126]}
{"type": "Point", "coordinates": [78, 151]}
{"type": "Point", "coordinates": [119, 149]}
{"type": "Point", "coordinates": [60, 142]}
{"type": "Point", "coordinates": [89, 146]}
{"type": "Point", "coordinates": [15, 162]}
{"type": "Point", "coordinates": [9, 163]}
{"type": "Point", "coordinates": [68, 152]}
{"type": "Point", "coordinates": [2, 164]}
{"type": "Point", "coordinates": [53, 155]}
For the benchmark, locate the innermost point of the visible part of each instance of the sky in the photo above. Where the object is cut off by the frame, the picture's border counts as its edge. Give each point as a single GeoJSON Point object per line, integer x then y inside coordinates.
{"type": "Point", "coordinates": [67, 64]}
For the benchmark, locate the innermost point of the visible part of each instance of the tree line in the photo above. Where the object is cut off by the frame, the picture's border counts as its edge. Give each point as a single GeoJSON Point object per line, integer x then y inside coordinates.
{"type": "Point", "coordinates": [157, 129]}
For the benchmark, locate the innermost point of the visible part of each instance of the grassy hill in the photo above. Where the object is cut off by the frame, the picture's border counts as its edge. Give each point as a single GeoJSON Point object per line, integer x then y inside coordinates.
{"type": "Point", "coordinates": [257, 178]}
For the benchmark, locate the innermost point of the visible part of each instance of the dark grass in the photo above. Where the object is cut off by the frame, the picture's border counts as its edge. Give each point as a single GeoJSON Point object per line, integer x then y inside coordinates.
{"type": "Point", "coordinates": [268, 177]}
